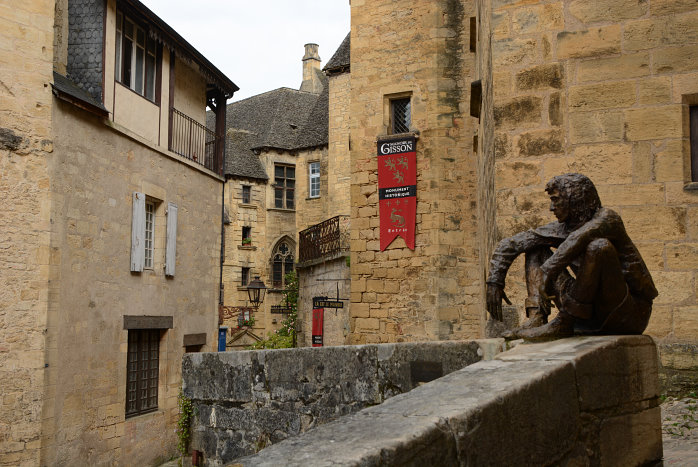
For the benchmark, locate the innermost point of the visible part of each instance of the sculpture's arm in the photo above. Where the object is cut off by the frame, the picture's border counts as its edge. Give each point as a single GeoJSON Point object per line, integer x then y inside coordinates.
{"type": "Point", "coordinates": [605, 224]}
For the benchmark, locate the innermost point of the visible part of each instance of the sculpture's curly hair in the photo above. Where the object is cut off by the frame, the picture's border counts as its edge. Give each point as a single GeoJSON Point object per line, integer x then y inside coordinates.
{"type": "Point", "coordinates": [581, 193]}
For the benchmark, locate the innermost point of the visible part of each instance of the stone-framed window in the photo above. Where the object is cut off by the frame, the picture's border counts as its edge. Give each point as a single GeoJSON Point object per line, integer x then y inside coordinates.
{"type": "Point", "coordinates": [284, 186]}
{"type": "Point", "coordinates": [281, 263]}
{"type": "Point", "coordinates": [400, 115]}
{"type": "Point", "coordinates": [246, 194]}
{"type": "Point", "coordinates": [136, 57]}
{"type": "Point", "coordinates": [143, 368]}
{"type": "Point", "coordinates": [246, 235]}
{"type": "Point", "coordinates": [314, 180]}
{"type": "Point", "coordinates": [244, 276]}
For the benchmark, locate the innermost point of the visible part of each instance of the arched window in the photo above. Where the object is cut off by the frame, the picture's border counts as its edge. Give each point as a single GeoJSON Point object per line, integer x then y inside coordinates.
{"type": "Point", "coordinates": [281, 262]}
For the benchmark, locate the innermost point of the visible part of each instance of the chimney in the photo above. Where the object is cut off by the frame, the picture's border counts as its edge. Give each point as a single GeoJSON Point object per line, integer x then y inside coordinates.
{"type": "Point", "coordinates": [311, 70]}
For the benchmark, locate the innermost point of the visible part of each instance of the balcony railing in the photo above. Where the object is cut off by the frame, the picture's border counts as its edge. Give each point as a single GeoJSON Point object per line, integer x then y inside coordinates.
{"type": "Point", "coordinates": [192, 140]}
{"type": "Point", "coordinates": [324, 240]}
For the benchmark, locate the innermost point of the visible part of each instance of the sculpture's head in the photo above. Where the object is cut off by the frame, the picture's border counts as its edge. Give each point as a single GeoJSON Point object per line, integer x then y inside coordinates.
{"type": "Point", "coordinates": [574, 199]}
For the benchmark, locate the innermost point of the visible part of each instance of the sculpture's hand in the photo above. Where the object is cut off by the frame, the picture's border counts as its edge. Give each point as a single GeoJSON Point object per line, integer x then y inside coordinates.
{"type": "Point", "coordinates": [495, 294]}
{"type": "Point", "coordinates": [545, 294]}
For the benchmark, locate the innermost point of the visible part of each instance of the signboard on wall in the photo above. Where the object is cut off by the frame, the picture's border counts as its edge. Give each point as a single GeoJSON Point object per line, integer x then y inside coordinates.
{"type": "Point", "coordinates": [397, 190]}
{"type": "Point", "coordinates": [318, 318]}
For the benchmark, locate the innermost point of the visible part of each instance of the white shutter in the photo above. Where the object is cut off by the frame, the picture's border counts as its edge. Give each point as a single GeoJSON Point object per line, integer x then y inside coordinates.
{"type": "Point", "coordinates": [171, 248]}
{"type": "Point", "coordinates": [138, 233]}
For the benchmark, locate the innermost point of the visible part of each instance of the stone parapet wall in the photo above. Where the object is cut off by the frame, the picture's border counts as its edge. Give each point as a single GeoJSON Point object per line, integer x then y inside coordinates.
{"type": "Point", "coordinates": [578, 401]}
{"type": "Point", "coordinates": [247, 400]}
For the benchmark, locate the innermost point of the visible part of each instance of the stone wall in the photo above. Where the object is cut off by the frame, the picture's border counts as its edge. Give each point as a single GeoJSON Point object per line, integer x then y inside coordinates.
{"type": "Point", "coordinates": [579, 401]}
{"type": "Point", "coordinates": [26, 37]}
{"type": "Point", "coordinates": [603, 88]}
{"type": "Point", "coordinates": [339, 163]}
{"type": "Point", "coordinates": [247, 400]}
{"type": "Point", "coordinates": [93, 179]}
{"type": "Point", "coordinates": [415, 48]}
{"type": "Point", "coordinates": [324, 279]}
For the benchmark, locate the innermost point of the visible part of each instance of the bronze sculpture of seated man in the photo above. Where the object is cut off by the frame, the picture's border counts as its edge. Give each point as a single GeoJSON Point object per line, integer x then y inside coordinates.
{"type": "Point", "coordinates": [595, 276]}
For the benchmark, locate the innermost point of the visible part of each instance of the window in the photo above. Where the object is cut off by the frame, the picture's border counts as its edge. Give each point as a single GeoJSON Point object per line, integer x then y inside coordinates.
{"type": "Point", "coordinates": [400, 116]}
{"type": "Point", "coordinates": [314, 177]}
{"type": "Point", "coordinates": [282, 263]}
{"type": "Point", "coordinates": [142, 371]}
{"type": "Point", "coordinates": [284, 186]}
{"type": "Point", "coordinates": [693, 135]}
{"type": "Point", "coordinates": [245, 277]}
{"type": "Point", "coordinates": [246, 194]}
{"type": "Point", "coordinates": [149, 233]}
{"type": "Point", "coordinates": [246, 235]}
{"type": "Point", "coordinates": [136, 54]}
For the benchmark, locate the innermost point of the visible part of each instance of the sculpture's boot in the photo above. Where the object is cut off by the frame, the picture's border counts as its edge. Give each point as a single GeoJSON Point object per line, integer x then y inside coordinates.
{"type": "Point", "coordinates": [536, 316]}
{"type": "Point", "coordinates": [561, 326]}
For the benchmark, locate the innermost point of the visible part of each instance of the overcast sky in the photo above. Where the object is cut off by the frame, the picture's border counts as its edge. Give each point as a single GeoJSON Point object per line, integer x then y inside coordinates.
{"type": "Point", "coordinates": [258, 44]}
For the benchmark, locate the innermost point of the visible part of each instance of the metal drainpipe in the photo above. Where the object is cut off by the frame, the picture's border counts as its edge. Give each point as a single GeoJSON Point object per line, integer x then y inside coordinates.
{"type": "Point", "coordinates": [220, 283]}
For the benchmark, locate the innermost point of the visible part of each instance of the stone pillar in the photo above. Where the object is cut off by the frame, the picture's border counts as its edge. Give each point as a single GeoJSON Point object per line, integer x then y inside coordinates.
{"type": "Point", "coordinates": [311, 70]}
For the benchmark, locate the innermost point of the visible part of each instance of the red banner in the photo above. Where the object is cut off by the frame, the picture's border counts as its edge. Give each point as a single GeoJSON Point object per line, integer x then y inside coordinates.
{"type": "Point", "coordinates": [318, 318]}
{"type": "Point", "coordinates": [397, 190]}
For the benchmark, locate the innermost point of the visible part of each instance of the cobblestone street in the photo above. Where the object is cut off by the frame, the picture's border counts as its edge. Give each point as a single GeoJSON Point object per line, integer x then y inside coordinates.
{"type": "Point", "coordinates": [680, 431]}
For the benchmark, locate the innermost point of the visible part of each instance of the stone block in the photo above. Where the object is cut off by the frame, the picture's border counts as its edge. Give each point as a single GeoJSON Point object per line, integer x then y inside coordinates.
{"type": "Point", "coordinates": [538, 143]}
{"type": "Point", "coordinates": [623, 67]}
{"type": "Point", "coordinates": [631, 439]}
{"type": "Point", "coordinates": [537, 18]}
{"type": "Point", "coordinates": [676, 194]}
{"type": "Point", "coordinates": [651, 223]}
{"type": "Point", "coordinates": [685, 84]}
{"type": "Point", "coordinates": [652, 254]}
{"type": "Point", "coordinates": [540, 77]}
{"type": "Point", "coordinates": [602, 96]}
{"type": "Point", "coordinates": [654, 91]}
{"type": "Point", "coordinates": [595, 127]}
{"type": "Point", "coordinates": [674, 288]}
{"type": "Point", "coordinates": [674, 59]}
{"type": "Point", "coordinates": [555, 109]}
{"type": "Point", "coordinates": [502, 145]}
{"type": "Point", "coordinates": [608, 11]}
{"type": "Point", "coordinates": [595, 160]}
{"type": "Point", "coordinates": [224, 376]}
{"type": "Point", "coordinates": [518, 112]}
{"type": "Point", "coordinates": [668, 7]}
{"type": "Point", "coordinates": [517, 174]}
{"type": "Point", "coordinates": [670, 165]}
{"type": "Point", "coordinates": [649, 123]}
{"type": "Point", "coordinates": [686, 322]}
{"type": "Point", "coordinates": [508, 52]}
{"type": "Point", "coordinates": [589, 43]}
{"type": "Point", "coordinates": [661, 321]}
{"type": "Point", "coordinates": [643, 162]}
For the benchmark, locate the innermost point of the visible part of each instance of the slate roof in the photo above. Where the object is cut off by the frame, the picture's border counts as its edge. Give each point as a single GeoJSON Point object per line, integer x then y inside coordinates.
{"type": "Point", "coordinates": [340, 61]}
{"type": "Point", "coordinates": [284, 119]}
{"type": "Point", "coordinates": [67, 89]}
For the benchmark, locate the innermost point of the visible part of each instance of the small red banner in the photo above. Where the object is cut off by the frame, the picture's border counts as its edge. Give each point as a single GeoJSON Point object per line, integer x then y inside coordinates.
{"type": "Point", "coordinates": [397, 190]}
{"type": "Point", "coordinates": [318, 318]}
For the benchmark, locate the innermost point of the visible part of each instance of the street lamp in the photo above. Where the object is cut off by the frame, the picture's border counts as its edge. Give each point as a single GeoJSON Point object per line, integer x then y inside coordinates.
{"type": "Point", "coordinates": [255, 292]}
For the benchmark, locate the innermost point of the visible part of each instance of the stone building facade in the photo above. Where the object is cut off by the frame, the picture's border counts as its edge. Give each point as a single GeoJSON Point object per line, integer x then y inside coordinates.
{"type": "Point", "coordinates": [111, 250]}
{"type": "Point", "coordinates": [605, 89]}
{"type": "Point", "coordinates": [602, 88]}
{"type": "Point", "coordinates": [433, 291]}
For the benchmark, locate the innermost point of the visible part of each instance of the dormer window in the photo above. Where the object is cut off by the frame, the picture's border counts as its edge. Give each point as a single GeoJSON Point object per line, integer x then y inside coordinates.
{"type": "Point", "coordinates": [136, 55]}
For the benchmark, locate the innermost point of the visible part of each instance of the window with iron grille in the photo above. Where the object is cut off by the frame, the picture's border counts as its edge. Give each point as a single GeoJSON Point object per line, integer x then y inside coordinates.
{"type": "Point", "coordinates": [246, 194]}
{"type": "Point", "coordinates": [142, 371]}
{"type": "Point", "coordinates": [149, 233]}
{"type": "Point", "coordinates": [282, 263]}
{"type": "Point", "coordinates": [400, 116]}
{"type": "Point", "coordinates": [314, 180]}
{"type": "Point", "coordinates": [245, 277]}
{"type": "Point", "coordinates": [136, 57]}
{"type": "Point", "coordinates": [284, 186]}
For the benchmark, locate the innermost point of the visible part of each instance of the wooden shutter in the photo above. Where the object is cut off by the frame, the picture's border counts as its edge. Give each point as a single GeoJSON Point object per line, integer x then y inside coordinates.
{"type": "Point", "coordinates": [138, 233]}
{"type": "Point", "coordinates": [171, 249]}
